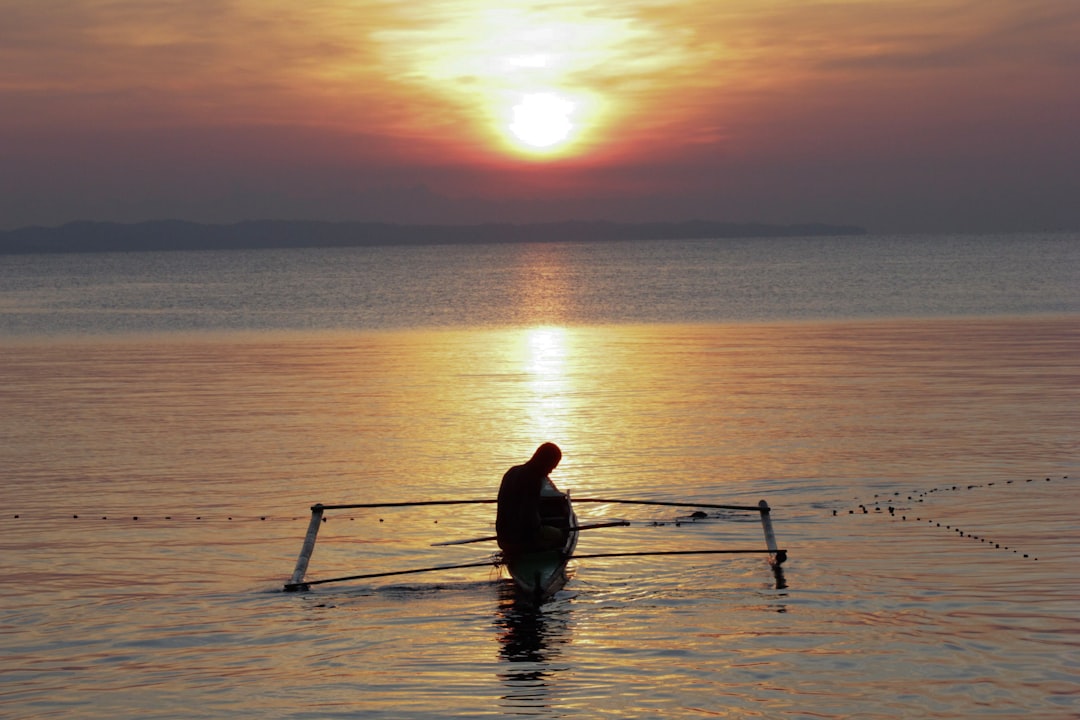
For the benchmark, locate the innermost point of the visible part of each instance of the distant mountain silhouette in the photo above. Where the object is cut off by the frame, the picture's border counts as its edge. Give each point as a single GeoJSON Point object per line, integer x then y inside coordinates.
{"type": "Point", "coordinates": [181, 235]}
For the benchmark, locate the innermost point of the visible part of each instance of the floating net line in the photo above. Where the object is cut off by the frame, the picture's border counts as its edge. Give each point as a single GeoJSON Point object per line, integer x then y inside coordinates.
{"type": "Point", "coordinates": [912, 507]}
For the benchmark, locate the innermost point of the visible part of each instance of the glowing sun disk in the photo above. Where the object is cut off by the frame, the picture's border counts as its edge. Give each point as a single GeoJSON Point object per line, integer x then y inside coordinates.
{"type": "Point", "coordinates": [542, 120]}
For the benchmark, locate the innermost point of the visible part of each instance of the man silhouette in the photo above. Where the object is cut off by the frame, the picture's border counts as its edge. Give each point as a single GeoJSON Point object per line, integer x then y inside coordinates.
{"type": "Point", "coordinates": [518, 523]}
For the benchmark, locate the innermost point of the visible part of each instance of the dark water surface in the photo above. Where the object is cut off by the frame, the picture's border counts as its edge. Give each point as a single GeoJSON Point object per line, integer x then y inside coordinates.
{"type": "Point", "coordinates": [473, 286]}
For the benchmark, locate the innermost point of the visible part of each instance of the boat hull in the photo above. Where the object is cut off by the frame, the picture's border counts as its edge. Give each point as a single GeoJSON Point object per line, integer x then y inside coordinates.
{"type": "Point", "coordinates": [540, 574]}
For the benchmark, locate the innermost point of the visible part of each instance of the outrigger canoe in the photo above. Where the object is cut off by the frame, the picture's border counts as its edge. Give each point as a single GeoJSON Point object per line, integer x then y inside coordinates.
{"type": "Point", "coordinates": [542, 573]}
{"type": "Point", "coordinates": [537, 575]}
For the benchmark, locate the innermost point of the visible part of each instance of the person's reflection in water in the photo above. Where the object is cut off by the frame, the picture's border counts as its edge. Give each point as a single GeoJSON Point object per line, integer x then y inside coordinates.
{"type": "Point", "coordinates": [529, 640]}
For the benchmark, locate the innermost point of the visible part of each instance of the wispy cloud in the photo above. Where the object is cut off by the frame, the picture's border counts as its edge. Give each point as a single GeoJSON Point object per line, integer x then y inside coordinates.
{"type": "Point", "coordinates": [681, 93]}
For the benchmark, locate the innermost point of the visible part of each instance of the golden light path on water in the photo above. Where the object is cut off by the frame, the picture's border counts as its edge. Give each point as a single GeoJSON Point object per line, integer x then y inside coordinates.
{"type": "Point", "coordinates": [549, 410]}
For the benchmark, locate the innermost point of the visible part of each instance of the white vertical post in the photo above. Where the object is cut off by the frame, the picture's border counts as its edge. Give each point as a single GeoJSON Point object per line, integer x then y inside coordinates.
{"type": "Point", "coordinates": [775, 557]}
{"type": "Point", "coordinates": [297, 581]}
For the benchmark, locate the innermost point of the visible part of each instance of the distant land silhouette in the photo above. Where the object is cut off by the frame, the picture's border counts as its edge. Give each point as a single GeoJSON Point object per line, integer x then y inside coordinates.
{"type": "Point", "coordinates": [257, 234]}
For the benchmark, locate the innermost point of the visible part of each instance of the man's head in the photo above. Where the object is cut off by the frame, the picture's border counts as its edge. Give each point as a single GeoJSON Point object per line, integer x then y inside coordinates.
{"type": "Point", "coordinates": [546, 457]}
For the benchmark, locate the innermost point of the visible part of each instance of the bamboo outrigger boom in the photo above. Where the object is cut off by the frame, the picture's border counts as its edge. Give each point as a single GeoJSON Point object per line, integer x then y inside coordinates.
{"type": "Point", "coordinates": [296, 582]}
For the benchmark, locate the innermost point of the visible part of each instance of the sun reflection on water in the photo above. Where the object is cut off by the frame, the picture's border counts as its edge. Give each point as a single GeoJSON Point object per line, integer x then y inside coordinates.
{"type": "Point", "coordinates": [546, 350]}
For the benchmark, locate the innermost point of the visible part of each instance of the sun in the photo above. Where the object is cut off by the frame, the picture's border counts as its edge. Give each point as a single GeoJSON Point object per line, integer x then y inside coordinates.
{"type": "Point", "coordinates": [542, 120]}
{"type": "Point", "coordinates": [525, 79]}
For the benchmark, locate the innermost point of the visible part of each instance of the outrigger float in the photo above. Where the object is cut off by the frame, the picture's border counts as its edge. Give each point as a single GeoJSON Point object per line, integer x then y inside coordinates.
{"type": "Point", "coordinates": [537, 575]}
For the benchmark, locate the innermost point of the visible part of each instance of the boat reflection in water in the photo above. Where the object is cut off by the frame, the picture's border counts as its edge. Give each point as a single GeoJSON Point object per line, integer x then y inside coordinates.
{"type": "Point", "coordinates": [531, 640]}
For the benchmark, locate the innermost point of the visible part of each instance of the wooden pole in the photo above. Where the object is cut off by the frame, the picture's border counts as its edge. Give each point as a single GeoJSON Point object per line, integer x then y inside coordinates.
{"type": "Point", "coordinates": [489, 538]}
{"type": "Point", "coordinates": [405, 504]}
{"type": "Point", "coordinates": [747, 508]}
{"type": "Point", "coordinates": [645, 553]}
{"type": "Point", "coordinates": [297, 580]}
{"type": "Point", "coordinates": [306, 585]}
{"type": "Point", "coordinates": [776, 556]}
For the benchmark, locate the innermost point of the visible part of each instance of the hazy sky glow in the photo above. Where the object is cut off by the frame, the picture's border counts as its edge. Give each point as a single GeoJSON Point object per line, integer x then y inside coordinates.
{"type": "Point", "coordinates": [893, 114]}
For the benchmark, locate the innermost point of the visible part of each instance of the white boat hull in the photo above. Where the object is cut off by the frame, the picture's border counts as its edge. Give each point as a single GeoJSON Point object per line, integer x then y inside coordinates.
{"type": "Point", "coordinates": [539, 575]}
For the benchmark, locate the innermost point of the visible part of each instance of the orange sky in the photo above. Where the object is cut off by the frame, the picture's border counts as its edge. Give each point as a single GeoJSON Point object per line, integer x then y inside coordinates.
{"type": "Point", "coordinates": [894, 114]}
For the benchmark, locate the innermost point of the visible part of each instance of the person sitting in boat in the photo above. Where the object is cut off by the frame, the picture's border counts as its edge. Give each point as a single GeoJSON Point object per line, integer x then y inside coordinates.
{"type": "Point", "coordinates": [518, 524]}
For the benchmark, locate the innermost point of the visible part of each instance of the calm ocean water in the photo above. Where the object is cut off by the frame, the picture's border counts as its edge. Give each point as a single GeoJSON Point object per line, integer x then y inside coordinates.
{"type": "Point", "coordinates": [908, 406]}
